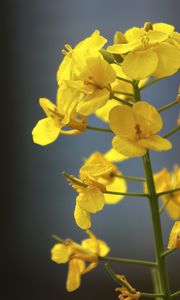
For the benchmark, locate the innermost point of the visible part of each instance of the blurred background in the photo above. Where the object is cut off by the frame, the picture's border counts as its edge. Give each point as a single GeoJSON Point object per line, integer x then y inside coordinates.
{"type": "Point", "coordinates": [38, 200]}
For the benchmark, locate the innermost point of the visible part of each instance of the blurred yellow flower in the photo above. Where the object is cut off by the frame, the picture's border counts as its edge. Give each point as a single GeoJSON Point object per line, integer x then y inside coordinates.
{"type": "Point", "coordinates": [98, 168]}
{"type": "Point", "coordinates": [174, 238]}
{"type": "Point", "coordinates": [164, 181]}
{"type": "Point", "coordinates": [77, 255]}
{"type": "Point", "coordinates": [48, 129]}
{"type": "Point", "coordinates": [149, 51]}
{"type": "Point", "coordinates": [135, 129]}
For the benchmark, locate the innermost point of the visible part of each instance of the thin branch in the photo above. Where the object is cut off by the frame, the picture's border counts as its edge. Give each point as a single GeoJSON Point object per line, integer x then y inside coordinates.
{"type": "Point", "coordinates": [99, 129]}
{"type": "Point", "coordinates": [123, 79]}
{"type": "Point", "coordinates": [168, 192]}
{"type": "Point", "coordinates": [131, 178]}
{"type": "Point", "coordinates": [150, 83]}
{"type": "Point", "coordinates": [175, 294]}
{"type": "Point", "coordinates": [127, 194]}
{"type": "Point", "coordinates": [167, 106]}
{"type": "Point", "coordinates": [165, 253]}
{"type": "Point", "coordinates": [162, 208]}
{"type": "Point", "coordinates": [171, 132]}
{"type": "Point", "coordinates": [125, 102]}
{"type": "Point", "coordinates": [129, 261]}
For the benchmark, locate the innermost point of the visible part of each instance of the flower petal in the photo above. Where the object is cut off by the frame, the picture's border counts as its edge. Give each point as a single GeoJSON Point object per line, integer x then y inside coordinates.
{"type": "Point", "coordinates": [91, 200]}
{"type": "Point", "coordinates": [147, 117]}
{"type": "Point", "coordinates": [140, 64]}
{"type": "Point", "coordinates": [114, 156]}
{"type": "Point", "coordinates": [60, 253]}
{"type": "Point", "coordinates": [76, 267]}
{"type": "Point", "coordinates": [82, 217]}
{"type": "Point", "coordinates": [92, 102]}
{"type": "Point", "coordinates": [168, 60]}
{"type": "Point", "coordinates": [127, 147]}
{"type": "Point", "coordinates": [155, 142]}
{"type": "Point", "coordinates": [122, 121]}
{"type": "Point", "coordinates": [96, 246]}
{"type": "Point", "coordinates": [45, 132]}
{"type": "Point", "coordinates": [118, 185]}
{"type": "Point", "coordinates": [174, 238]}
{"type": "Point", "coordinates": [163, 27]}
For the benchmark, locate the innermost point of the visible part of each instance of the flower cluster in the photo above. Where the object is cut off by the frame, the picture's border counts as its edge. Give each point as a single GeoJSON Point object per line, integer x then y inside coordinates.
{"type": "Point", "coordinates": [107, 82]}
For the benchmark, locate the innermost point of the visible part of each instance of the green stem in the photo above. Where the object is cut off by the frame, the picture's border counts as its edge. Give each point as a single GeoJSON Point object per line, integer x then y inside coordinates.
{"type": "Point", "coordinates": [156, 283]}
{"type": "Point", "coordinates": [137, 95]}
{"type": "Point", "coordinates": [98, 129]}
{"type": "Point", "coordinates": [165, 253]}
{"type": "Point", "coordinates": [121, 100]}
{"type": "Point", "coordinates": [159, 247]}
{"type": "Point", "coordinates": [175, 294]}
{"type": "Point", "coordinates": [126, 194]}
{"type": "Point", "coordinates": [113, 276]}
{"type": "Point", "coordinates": [125, 80]}
{"type": "Point", "coordinates": [57, 238]}
{"type": "Point", "coordinates": [168, 192]}
{"type": "Point", "coordinates": [129, 261]}
{"type": "Point", "coordinates": [123, 93]}
{"type": "Point", "coordinates": [148, 295]}
{"type": "Point", "coordinates": [167, 106]}
{"type": "Point", "coordinates": [150, 83]}
{"type": "Point", "coordinates": [171, 132]}
{"type": "Point", "coordinates": [131, 178]}
{"type": "Point", "coordinates": [162, 208]}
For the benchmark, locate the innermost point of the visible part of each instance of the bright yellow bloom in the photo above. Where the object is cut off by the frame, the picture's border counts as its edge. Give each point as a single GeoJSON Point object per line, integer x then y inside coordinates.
{"type": "Point", "coordinates": [48, 129]}
{"type": "Point", "coordinates": [87, 47]}
{"type": "Point", "coordinates": [174, 238]}
{"type": "Point", "coordinates": [135, 128]}
{"type": "Point", "coordinates": [125, 294]}
{"type": "Point", "coordinates": [90, 199]}
{"type": "Point", "coordinates": [148, 51]}
{"type": "Point", "coordinates": [90, 90]}
{"type": "Point", "coordinates": [77, 255]}
{"type": "Point", "coordinates": [164, 181]}
{"type": "Point", "coordinates": [99, 169]}
{"type": "Point", "coordinates": [114, 156]}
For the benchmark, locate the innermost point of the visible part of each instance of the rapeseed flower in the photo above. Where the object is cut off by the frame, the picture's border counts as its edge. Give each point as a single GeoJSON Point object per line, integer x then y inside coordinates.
{"type": "Point", "coordinates": [148, 51]}
{"type": "Point", "coordinates": [135, 128]}
{"type": "Point", "coordinates": [78, 255]}
{"type": "Point", "coordinates": [48, 129]}
{"type": "Point", "coordinates": [174, 238]}
{"type": "Point", "coordinates": [164, 181]}
{"type": "Point", "coordinates": [101, 170]}
{"type": "Point", "coordinates": [89, 46]}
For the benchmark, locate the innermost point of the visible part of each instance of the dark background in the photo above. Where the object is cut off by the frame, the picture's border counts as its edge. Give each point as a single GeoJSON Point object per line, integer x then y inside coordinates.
{"type": "Point", "coordinates": [38, 200]}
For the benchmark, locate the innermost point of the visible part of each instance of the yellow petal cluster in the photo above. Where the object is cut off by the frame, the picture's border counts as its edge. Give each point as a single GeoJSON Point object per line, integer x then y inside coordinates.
{"type": "Point", "coordinates": [103, 171]}
{"type": "Point", "coordinates": [150, 51]}
{"type": "Point", "coordinates": [174, 238]}
{"type": "Point", "coordinates": [48, 129]}
{"type": "Point", "coordinates": [135, 129]}
{"type": "Point", "coordinates": [77, 256]}
{"type": "Point", "coordinates": [164, 181]}
{"type": "Point", "coordinates": [90, 199]}
{"type": "Point", "coordinates": [84, 77]}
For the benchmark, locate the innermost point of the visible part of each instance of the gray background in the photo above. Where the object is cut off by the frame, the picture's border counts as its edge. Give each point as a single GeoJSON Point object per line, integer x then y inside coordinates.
{"type": "Point", "coordinates": [39, 201]}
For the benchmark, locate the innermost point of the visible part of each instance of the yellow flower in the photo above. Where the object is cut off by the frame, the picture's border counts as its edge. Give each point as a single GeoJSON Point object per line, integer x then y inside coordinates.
{"type": "Point", "coordinates": [90, 199]}
{"type": "Point", "coordinates": [164, 181]}
{"type": "Point", "coordinates": [90, 90]}
{"type": "Point", "coordinates": [147, 52]}
{"type": "Point", "coordinates": [174, 238]}
{"type": "Point", "coordinates": [135, 129]}
{"type": "Point", "coordinates": [48, 129]}
{"type": "Point", "coordinates": [88, 46]}
{"type": "Point", "coordinates": [98, 168]}
{"type": "Point", "coordinates": [78, 256]}
{"type": "Point", "coordinates": [114, 156]}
